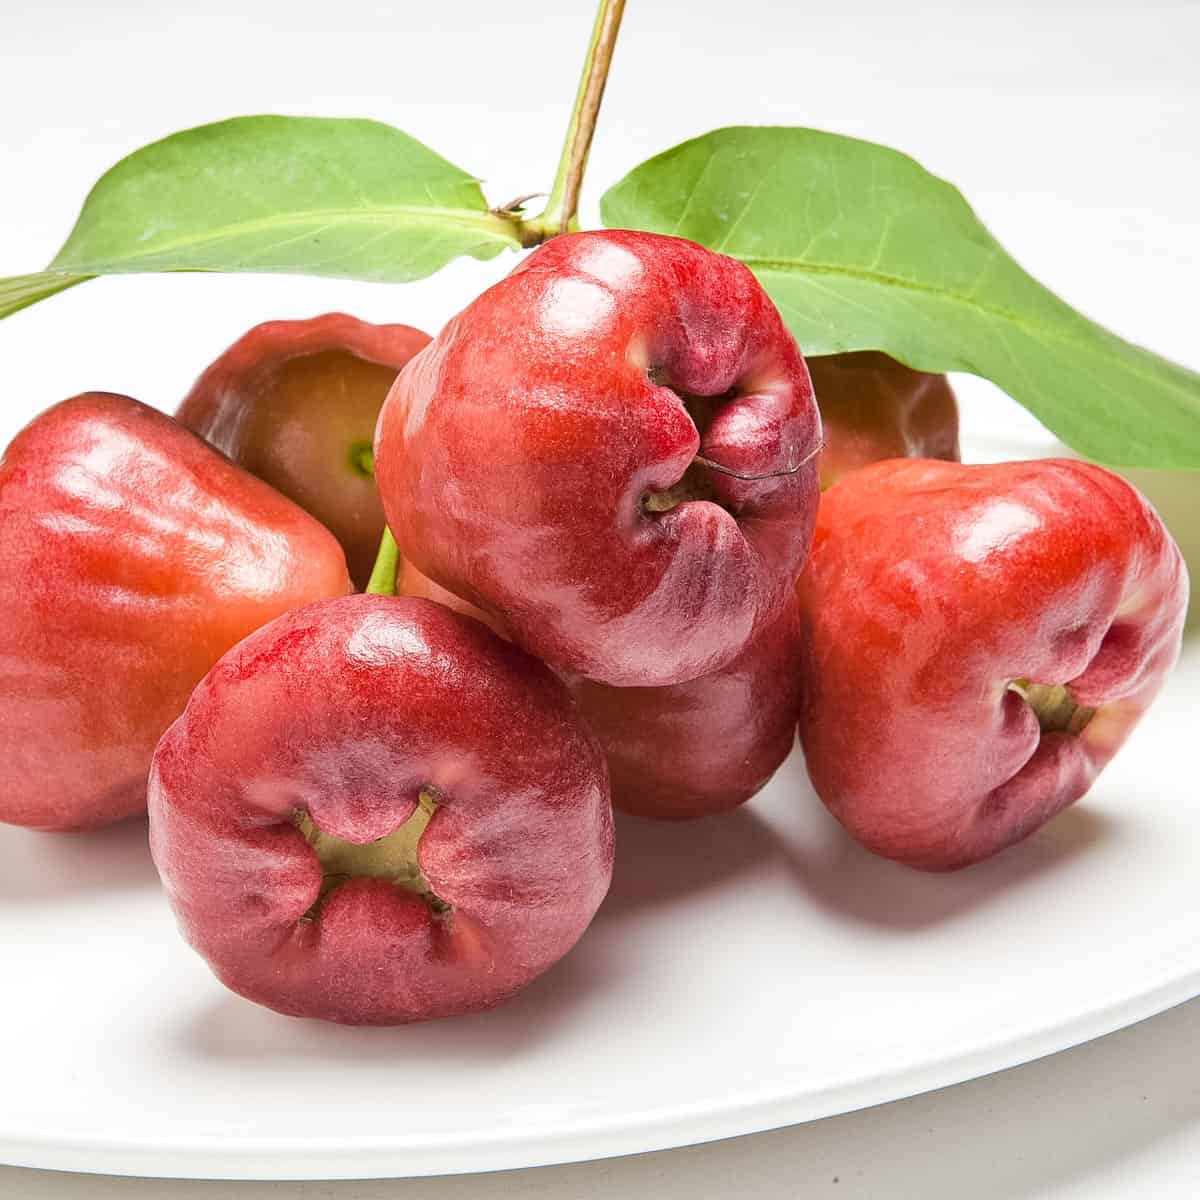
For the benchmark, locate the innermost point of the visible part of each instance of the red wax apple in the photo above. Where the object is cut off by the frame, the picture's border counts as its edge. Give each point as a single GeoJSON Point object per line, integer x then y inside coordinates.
{"type": "Point", "coordinates": [612, 451]}
{"type": "Point", "coordinates": [873, 407]}
{"type": "Point", "coordinates": [295, 403]}
{"type": "Point", "coordinates": [979, 640]}
{"type": "Point", "coordinates": [701, 747]}
{"type": "Point", "coordinates": [134, 556]}
{"type": "Point", "coordinates": [375, 811]}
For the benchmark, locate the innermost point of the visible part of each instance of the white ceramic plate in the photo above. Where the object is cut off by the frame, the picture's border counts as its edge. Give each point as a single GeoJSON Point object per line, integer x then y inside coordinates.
{"type": "Point", "coordinates": [746, 972]}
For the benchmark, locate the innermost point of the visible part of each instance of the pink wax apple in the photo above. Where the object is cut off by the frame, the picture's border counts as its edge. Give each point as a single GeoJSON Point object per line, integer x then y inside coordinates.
{"type": "Point", "coordinates": [411, 582]}
{"type": "Point", "coordinates": [375, 811]}
{"type": "Point", "coordinates": [612, 451]}
{"type": "Point", "coordinates": [979, 642]}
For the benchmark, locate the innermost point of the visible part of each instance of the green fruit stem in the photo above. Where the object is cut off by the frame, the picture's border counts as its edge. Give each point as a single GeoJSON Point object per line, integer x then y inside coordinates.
{"type": "Point", "coordinates": [387, 563]}
{"type": "Point", "coordinates": [559, 213]}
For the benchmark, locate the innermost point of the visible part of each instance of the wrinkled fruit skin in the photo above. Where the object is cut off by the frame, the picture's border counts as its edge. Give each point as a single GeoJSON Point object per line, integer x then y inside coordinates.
{"type": "Point", "coordinates": [701, 747]}
{"type": "Point", "coordinates": [295, 403]}
{"type": "Point", "coordinates": [525, 456]}
{"type": "Point", "coordinates": [347, 710]}
{"type": "Point", "coordinates": [873, 407]}
{"type": "Point", "coordinates": [134, 557]}
{"type": "Point", "coordinates": [932, 587]}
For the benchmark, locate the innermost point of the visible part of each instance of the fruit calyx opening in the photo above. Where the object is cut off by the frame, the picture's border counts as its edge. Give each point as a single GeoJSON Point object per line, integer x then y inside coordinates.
{"type": "Point", "coordinates": [362, 459]}
{"type": "Point", "coordinates": [696, 483]}
{"type": "Point", "coordinates": [392, 857]}
{"type": "Point", "coordinates": [1053, 706]}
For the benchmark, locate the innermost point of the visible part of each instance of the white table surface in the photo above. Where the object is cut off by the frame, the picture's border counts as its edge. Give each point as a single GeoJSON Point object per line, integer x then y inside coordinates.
{"type": "Point", "coordinates": [1071, 127]}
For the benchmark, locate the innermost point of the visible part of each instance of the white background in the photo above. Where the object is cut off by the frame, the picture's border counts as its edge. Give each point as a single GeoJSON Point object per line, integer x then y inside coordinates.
{"type": "Point", "coordinates": [1073, 130]}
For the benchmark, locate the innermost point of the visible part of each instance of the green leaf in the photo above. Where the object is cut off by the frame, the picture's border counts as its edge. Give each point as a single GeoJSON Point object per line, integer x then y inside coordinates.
{"type": "Point", "coordinates": [20, 291]}
{"type": "Point", "coordinates": [863, 249]}
{"type": "Point", "coordinates": [301, 195]}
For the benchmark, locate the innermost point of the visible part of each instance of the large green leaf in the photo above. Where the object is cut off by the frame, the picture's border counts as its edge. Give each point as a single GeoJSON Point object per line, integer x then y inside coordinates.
{"type": "Point", "coordinates": [861, 248]}
{"type": "Point", "coordinates": [288, 194]}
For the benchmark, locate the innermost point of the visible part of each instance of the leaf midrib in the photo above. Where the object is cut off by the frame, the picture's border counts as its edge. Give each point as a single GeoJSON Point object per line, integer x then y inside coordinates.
{"type": "Point", "coordinates": [1045, 333]}
{"type": "Point", "coordinates": [486, 222]}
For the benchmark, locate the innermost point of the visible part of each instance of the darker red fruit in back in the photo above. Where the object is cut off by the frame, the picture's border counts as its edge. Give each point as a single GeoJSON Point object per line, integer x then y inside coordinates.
{"type": "Point", "coordinates": [873, 407]}
{"type": "Point", "coordinates": [295, 403]}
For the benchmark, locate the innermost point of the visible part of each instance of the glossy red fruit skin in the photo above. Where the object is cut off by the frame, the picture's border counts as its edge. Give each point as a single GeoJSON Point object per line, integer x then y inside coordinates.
{"type": "Point", "coordinates": [347, 709]}
{"type": "Point", "coordinates": [932, 586]}
{"type": "Point", "coordinates": [705, 746]}
{"type": "Point", "coordinates": [292, 401]}
{"type": "Point", "coordinates": [513, 456]}
{"type": "Point", "coordinates": [134, 556]}
{"type": "Point", "coordinates": [873, 407]}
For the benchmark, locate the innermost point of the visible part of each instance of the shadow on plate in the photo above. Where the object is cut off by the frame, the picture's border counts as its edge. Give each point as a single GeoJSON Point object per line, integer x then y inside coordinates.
{"type": "Point", "coordinates": [231, 1028]}
{"type": "Point", "coordinates": [40, 868]}
{"type": "Point", "coordinates": [844, 879]}
{"type": "Point", "coordinates": [659, 862]}
{"type": "Point", "coordinates": [788, 830]}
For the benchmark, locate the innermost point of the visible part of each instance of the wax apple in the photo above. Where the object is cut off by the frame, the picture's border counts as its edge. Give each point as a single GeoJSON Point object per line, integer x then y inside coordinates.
{"type": "Point", "coordinates": [980, 640]}
{"type": "Point", "coordinates": [701, 747]}
{"type": "Point", "coordinates": [375, 811]}
{"type": "Point", "coordinates": [295, 403]}
{"type": "Point", "coordinates": [873, 407]}
{"type": "Point", "coordinates": [613, 452]}
{"type": "Point", "coordinates": [134, 556]}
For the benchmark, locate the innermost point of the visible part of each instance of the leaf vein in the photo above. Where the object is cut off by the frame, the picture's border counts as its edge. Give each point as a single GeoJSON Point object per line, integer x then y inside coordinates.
{"type": "Point", "coordinates": [325, 219]}
{"type": "Point", "coordinates": [1039, 333]}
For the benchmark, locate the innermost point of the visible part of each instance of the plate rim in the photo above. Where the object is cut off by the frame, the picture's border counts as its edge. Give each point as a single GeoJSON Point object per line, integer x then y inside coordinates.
{"type": "Point", "coordinates": [674, 1127]}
